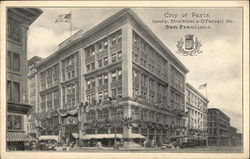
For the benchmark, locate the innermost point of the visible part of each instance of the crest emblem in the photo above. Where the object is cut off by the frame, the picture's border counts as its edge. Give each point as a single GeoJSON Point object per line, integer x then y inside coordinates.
{"type": "Point", "coordinates": [189, 46]}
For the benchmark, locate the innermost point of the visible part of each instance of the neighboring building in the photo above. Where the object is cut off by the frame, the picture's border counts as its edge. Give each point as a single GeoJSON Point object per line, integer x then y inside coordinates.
{"type": "Point", "coordinates": [117, 79]}
{"type": "Point", "coordinates": [18, 21]}
{"type": "Point", "coordinates": [196, 105]}
{"type": "Point", "coordinates": [232, 135]}
{"type": "Point", "coordinates": [218, 128]}
{"type": "Point", "coordinates": [238, 139]}
{"type": "Point", "coordinates": [32, 93]}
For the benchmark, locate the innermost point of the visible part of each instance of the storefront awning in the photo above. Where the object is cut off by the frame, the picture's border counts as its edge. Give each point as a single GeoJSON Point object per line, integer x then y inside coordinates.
{"type": "Point", "coordinates": [75, 135]}
{"type": "Point", "coordinates": [111, 136]}
{"type": "Point", "coordinates": [19, 136]}
{"type": "Point", "coordinates": [48, 137]}
{"type": "Point", "coordinates": [101, 136]}
{"type": "Point", "coordinates": [136, 136]}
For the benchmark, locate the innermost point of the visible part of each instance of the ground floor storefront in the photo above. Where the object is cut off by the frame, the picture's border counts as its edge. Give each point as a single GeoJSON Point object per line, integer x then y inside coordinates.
{"type": "Point", "coordinates": [19, 141]}
{"type": "Point", "coordinates": [218, 141]}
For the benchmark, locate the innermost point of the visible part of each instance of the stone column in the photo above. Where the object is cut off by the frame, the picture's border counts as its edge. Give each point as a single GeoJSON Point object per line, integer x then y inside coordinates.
{"type": "Point", "coordinates": [127, 131]}
{"type": "Point", "coordinates": [127, 79]}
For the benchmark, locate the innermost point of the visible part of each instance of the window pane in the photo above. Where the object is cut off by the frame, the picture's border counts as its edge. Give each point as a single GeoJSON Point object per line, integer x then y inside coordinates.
{"type": "Point", "coordinates": [113, 57]}
{"type": "Point", "coordinates": [9, 122]}
{"type": "Point", "coordinates": [9, 91]}
{"type": "Point", "coordinates": [105, 61]}
{"type": "Point", "coordinates": [17, 122]}
{"type": "Point", "coordinates": [9, 60]}
{"type": "Point", "coordinates": [100, 63]}
{"type": "Point", "coordinates": [16, 92]}
{"type": "Point", "coordinates": [105, 79]}
{"type": "Point", "coordinates": [16, 62]}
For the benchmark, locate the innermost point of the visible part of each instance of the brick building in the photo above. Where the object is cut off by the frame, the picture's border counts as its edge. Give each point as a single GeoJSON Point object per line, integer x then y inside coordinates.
{"type": "Point", "coordinates": [18, 22]}
{"type": "Point", "coordinates": [218, 128]}
{"type": "Point", "coordinates": [32, 93]}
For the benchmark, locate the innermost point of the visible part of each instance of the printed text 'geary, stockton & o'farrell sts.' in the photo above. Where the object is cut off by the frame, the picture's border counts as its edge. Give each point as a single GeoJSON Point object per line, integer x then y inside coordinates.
{"type": "Point", "coordinates": [190, 20]}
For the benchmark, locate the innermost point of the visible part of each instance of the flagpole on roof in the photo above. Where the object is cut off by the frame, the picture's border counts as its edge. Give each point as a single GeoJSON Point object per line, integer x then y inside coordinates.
{"type": "Point", "coordinates": [206, 89]}
{"type": "Point", "coordinates": [70, 23]}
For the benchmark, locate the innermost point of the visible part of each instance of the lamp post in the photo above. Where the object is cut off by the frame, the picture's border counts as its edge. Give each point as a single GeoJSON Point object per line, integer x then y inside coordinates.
{"type": "Point", "coordinates": [114, 103]}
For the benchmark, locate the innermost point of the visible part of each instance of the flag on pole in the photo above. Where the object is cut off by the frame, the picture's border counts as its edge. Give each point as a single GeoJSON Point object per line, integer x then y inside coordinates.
{"type": "Point", "coordinates": [203, 86]}
{"type": "Point", "coordinates": [66, 18]}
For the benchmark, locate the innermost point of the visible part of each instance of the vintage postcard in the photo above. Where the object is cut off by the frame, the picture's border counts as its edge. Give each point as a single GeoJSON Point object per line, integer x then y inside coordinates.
{"type": "Point", "coordinates": [136, 79]}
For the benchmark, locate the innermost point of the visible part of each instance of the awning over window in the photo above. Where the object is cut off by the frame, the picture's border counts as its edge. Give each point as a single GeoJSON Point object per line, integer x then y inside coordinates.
{"type": "Point", "coordinates": [75, 135]}
{"type": "Point", "coordinates": [48, 137]}
{"type": "Point", "coordinates": [101, 136]}
{"type": "Point", "coordinates": [19, 136]}
{"type": "Point", "coordinates": [136, 136]}
{"type": "Point", "coordinates": [111, 136]}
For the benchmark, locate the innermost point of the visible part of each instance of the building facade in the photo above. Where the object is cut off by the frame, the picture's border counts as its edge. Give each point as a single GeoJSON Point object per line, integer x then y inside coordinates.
{"type": "Point", "coordinates": [32, 94]}
{"type": "Point", "coordinates": [18, 22]}
{"type": "Point", "coordinates": [218, 128]}
{"type": "Point", "coordinates": [117, 80]}
{"type": "Point", "coordinates": [197, 106]}
{"type": "Point", "coordinates": [233, 138]}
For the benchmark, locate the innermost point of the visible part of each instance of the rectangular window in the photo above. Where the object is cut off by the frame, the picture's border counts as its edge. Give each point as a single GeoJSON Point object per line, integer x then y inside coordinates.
{"type": "Point", "coordinates": [105, 59]}
{"type": "Point", "coordinates": [9, 91]}
{"type": "Point", "coordinates": [119, 54]}
{"type": "Point", "coordinates": [119, 91]}
{"type": "Point", "coordinates": [113, 92]}
{"type": "Point", "coordinates": [113, 42]}
{"type": "Point", "coordinates": [92, 66]}
{"type": "Point", "coordinates": [119, 37]}
{"type": "Point", "coordinates": [92, 50]}
{"type": "Point", "coordinates": [93, 82]}
{"type": "Point", "coordinates": [105, 94]}
{"type": "Point", "coordinates": [9, 60]}
{"type": "Point", "coordinates": [93, 101]}
{"type": "Point", "coordinates": [63, 77]}
{"type": "Point", "coordinates": [16, 92]}
{"type": "Point", "coordinates": [105, 78]}
{"type": "Point", "coordinates": [105, 44]}
{"type": "Point", "coordinates": [16, 62]}
{"type": "Point", "coordinates": [135, 76]}
{"type": "Point", "coordinates": [100, 80]}
{"type": "Point", "coordinates": [17, 122]}
{"type": "Point", "coordinates": [113, 57]}
{"type": "Point", "coordinates": [114, 76]}
{"type": "Point", "coordinates": [99, 46]}
{"type": "Point", "coordinates": [73, 74]}
{"type": "Point", "coordinates": [9, 122]}
{"type": "Point", "coordinates": [100, 97]}
{"type": "Point", "coordinates": [119, 74]}
{"type": "Point", "coordinates": [14, 30]}
{"type": "Point", "coordinates": [88, 84]}
{"type": "Point", "coordinates": [100, 63]}
{"type": "Point", "coordinates": [87, 51]}
{"type": "Point", "coordinates": [69, 75]}
{"type": "Point", "coordinates": [88, 68]}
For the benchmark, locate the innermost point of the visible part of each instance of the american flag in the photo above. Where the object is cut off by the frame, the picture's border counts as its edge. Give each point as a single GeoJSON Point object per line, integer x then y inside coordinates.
{"type": "Point", "coordinates": [66, 18]}
{"type": "Point", "coordinates": [203, 86]}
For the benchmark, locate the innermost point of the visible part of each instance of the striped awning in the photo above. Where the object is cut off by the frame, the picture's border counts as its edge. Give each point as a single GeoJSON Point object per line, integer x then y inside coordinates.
{"type": "Point", "coordinates": [19, 136]}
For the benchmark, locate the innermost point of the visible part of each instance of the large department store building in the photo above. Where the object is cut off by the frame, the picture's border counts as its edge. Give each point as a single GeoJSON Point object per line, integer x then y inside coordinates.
{"type": "Point", "coordinates": [117, 80]}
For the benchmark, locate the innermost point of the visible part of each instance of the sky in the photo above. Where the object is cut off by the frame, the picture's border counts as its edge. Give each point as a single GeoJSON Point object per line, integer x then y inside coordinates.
{"type": "Point", "coordinates": [219, 65]}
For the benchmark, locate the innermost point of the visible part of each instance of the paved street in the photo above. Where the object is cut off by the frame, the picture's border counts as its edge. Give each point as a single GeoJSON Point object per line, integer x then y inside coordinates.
{"type": "Point", "coordinates": [186, 150]}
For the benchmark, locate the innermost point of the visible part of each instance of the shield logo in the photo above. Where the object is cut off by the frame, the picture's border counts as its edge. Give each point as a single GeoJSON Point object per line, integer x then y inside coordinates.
{"type": "Point", "coordinates": [189, 42]}
{"type": "Point", "coordinates": [189, 46]}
